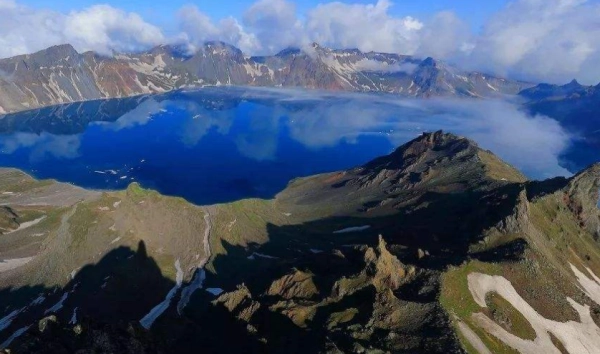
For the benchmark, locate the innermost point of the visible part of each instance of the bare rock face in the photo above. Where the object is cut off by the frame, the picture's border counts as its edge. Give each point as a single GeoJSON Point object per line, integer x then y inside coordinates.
{"type": "Point", "coordinates": [386, 271]}
{"type": "Point", "coordinates": [382, 270]}
{"type": "Point", "coordinates": [518, 219]}
{"type": "Point", "coordinates": [298, 285]}
{"type": "Point", "coordinates": [239, 302]}
{"type": "Point", "coordinates": [433, 160]}
{"type": "Point", "coordinates": [8, 220]}
{"type": "Point", "coordinates": [582, 196]}
{"type": "Point", "coordinates": [61, 75]}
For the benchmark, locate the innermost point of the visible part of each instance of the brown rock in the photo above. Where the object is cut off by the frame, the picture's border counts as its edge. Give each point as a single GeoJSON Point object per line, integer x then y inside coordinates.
{"type": "Point", "coordinates": [295, 285]}
{"type": "Point", "coordinates": [385, 269]}
{"type": "Point", "coordinates": [239, 302]}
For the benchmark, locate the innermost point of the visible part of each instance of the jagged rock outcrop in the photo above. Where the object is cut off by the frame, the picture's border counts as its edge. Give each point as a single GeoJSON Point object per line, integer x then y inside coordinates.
{"type": "Point", "coordinates": [383, 267]}
{"type": "Point", "coordinates": [382, 270]}
{"type": "Point", "coordinates": [517, 220]}
{"type": "Point", "coordinates": [8, 219]}
{"type": "Point", "coordinates": [298, 285]}
{"type": "Point", "coordinates": [239, 302]}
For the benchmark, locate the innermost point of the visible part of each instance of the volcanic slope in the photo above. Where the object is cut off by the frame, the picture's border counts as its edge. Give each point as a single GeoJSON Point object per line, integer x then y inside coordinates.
{"type": "Point", "coordinates": [439, 247]}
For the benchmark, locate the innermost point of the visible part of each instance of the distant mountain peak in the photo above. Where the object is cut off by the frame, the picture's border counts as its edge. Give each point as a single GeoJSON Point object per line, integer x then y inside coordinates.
{"type": "Point", "coordinates": [289, 51]}
{"type": "Point", "coordinates": [61, 47]}
{"type": "Point", "coordinates": [429, 61]}
{"type": "Point", "coordinates": [175, 50]}
{"type": "Point", "coordinates": [57, 51]}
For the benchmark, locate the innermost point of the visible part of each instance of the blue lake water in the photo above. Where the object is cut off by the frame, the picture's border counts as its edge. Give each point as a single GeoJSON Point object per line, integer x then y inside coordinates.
{"type": "Point", "coordinates": [223, 144]}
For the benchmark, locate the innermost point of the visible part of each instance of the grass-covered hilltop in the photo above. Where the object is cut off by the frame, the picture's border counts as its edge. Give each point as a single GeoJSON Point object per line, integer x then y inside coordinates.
{"type": "Point", "coordinates": [439, 247]}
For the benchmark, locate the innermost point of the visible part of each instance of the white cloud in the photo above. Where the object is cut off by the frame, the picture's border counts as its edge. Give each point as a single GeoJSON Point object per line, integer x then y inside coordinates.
{"type": "Point", "coordinates": [198, 28]}
{"type": "Point", "coordinates": [104, 28]}
{"type": "Point", "coordinates": [531, 144]}
{"type": "Point", "coordinates": [542, 40]}
{"type": "Point", "coordinates": [536, 40]}
{"type": "Point", "coordinates": [444, 36]}
{"type": "Point", "coordinates": [367, 27]}
{"type": "Point", "coordinates": [40, 145]}
{"type": "Point", "coordinates": [24, 30]}
{"type": "Point", "coordinates": [534, 145]}
{"type": "Point", "coordinates": [275, 25]}
{"type": "Point", "coordinates": [101, 28]}
{"type": "Point", "coordinates": [140, 115]}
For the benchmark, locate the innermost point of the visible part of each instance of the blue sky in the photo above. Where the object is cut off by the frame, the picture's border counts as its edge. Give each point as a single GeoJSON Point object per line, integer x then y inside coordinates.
{"type": "Point", "coordinates": [534, 40]}
{"type": "Point", "coordinates": [162, 13]}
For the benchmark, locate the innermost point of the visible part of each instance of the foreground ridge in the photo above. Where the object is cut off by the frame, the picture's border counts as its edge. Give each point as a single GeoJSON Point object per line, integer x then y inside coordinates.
{"type": "Point", "coordinates": [438, 247]}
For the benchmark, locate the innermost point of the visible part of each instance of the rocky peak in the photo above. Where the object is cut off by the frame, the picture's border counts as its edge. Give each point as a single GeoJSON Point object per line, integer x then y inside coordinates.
{"type": "Point", "coordinates": [290, 51]}
{"type": "Point", "coordinates": [55, 53]}
{"type": "Point", "coordinates": [176, 51]}
{"type": "Point", "coordinates": [428, 62]}
{"type": "Point", "coordinates": [428, 146]}
{"type": "Point", "coordinates": [222, 47]}
{"type": "Point", "coordinates": [426, 75]}
{"type": "Point", "coordinates": [434, 160]}
{"type": "Point", "coordinates": [573, 84]}
{"type": "Point", "coordinates": [386, 271]}
{"type": "Point", "coordinates": [545, 91]}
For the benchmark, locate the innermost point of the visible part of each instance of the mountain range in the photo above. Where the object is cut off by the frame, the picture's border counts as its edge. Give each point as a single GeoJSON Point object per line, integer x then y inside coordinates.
{"type": "Point", "coordinates": [438, 247]}
{"type": "Point", "coordinates": [60, 74]}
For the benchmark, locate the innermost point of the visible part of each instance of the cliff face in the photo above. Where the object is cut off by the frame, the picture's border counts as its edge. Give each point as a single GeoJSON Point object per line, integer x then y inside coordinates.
{"type": "Point", "coordinates": [61, 75]}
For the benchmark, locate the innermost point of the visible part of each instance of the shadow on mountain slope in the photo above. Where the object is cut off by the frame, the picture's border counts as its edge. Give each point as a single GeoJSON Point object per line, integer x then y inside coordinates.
{"type": "Point", "coordinates": [338, 297]}
{"type": "Point", "coordinates": [108, 297]}
{"type": "Point", "coordinates": [439, 223]}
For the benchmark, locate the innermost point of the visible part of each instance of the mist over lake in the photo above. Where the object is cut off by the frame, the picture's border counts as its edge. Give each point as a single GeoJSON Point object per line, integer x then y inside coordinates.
{"type": "Point", "coordinates": [222, 144]}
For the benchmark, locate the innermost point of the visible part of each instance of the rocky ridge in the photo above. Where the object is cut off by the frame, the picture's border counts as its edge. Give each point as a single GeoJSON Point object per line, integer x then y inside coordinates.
{"type": "Point", "coordinates": [60, 74]}
{"type": "Point", "coordinates": [439, 247]}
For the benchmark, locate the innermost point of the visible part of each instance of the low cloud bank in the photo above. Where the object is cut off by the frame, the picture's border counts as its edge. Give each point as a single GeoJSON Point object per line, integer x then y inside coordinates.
{"type": "Point", "coordinates": [320, 120]}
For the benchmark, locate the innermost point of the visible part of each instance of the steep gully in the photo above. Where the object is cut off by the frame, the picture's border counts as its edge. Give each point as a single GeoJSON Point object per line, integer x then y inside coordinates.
{"type": "Point", "coordinates": [187, 291]}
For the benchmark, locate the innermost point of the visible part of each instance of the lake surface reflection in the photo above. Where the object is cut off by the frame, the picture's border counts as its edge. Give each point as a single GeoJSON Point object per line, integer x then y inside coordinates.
{"type": "Point", "coordinates": [222, 144]}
